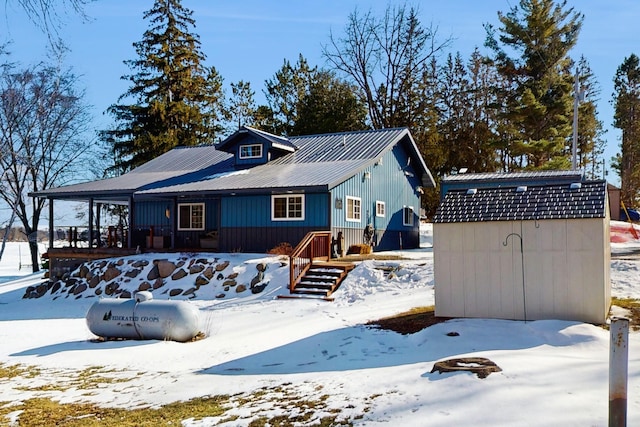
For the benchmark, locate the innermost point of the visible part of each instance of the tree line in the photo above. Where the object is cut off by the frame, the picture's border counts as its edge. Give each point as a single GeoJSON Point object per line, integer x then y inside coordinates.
{"type": "Point", "coordinates": [509, 109]}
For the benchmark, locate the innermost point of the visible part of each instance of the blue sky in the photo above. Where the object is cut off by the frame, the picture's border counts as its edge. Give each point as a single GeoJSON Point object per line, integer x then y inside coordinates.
{"type": "Point", "coordinates": [249, 39]}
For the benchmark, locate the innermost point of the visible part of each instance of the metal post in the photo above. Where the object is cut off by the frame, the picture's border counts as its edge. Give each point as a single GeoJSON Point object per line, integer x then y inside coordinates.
{"type": "Point", "coordinates": [574, 145]}
{"type": "Point", "coordinates": [618, 364]}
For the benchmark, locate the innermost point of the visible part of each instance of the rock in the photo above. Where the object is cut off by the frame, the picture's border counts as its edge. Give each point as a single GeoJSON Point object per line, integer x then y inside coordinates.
{"type": "Point", "coordinates": [120, 262]}
{"type": "Point", "coordinates": [222, 266]}
{"type": "Point", "coordinates": [179, 274]}
{"type": "Point", "coordinates": [84, 270]}
{"type": "Point", "coordinates": [158, 283]}
{"type": "Point", "coordinates": [175, 292]}
{"type": "Point", "coordinates": [202, 261]}
{"type": "Point", "coordinates": [56, 287]}
{"type": "Point", "coordinates": [257, 279]}
{"type": "Point", "coordinates": [110, 289]}
{"type": "Point", "coordinates": [261, 267]}
{"type": "Point", "coordinates": [229, 283]}
{"type": "Point", "coordinates": [144, 286]}
{"type": "Point", "coordinates": [153, 273]}
{"type": "Point", "coordinates": [110, 274]}
{"type": "Point", "coordinates": [98, 291]}
{"type": "Point", "coordinates": [125, 294]}
{"type": "Point", "coordinates": [165, 268]}
{"type": "Point", "coordinates": [259, 288]}
{"type": "Point", "coordinates": [27, 293]}
{"type": "Point", "coordinates": [232, 275]}
{"type": "Point", "coordinates": [241, 288]}
{"type": "Point", "coordinates": [226, 289]}
{"type": "Point", "coordinates": [196, 268]}
{"type": "Point", "coordinates": [180, 263]}
{"type": "Point", "coordinates": [201, 281]}
{"type": "Point", "coordinates": [220, 276]}
{"type": "Point", "coordinates": [190, 291]}
{"type": "Point", "coordinates": [221, 295]}
{"type": "Point", "coordinates": [140, 263]}
{"type": "Point", "coordinates": [70, 282]}
{"type": "Point", "coordinates": [94, 281]}
{"type": "Point", "coordinates": [80, 288]}
{"type": "Point", "coordinates": [133, 273]}
{"type": "Point", "coordinates": [208, 273]}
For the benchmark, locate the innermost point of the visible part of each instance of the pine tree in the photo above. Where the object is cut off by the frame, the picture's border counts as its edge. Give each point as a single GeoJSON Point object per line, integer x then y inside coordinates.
{"type": "Point", "coordinates": [173, 99]}
{"type": "Point", "coordinates": [627, 119]}
{"type": "Point", "coordinates": [538, 100]}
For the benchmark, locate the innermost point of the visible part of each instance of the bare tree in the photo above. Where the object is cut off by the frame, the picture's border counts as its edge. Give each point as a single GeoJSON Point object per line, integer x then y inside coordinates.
{"type": "Point", "coordinates": [43, 131]}
{"type": "Point", "coordinates": [386, 58]}
{"type": "Point", "coordinates": [48, 16]}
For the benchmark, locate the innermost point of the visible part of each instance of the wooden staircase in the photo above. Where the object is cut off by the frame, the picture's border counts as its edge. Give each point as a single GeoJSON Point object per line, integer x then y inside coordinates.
{"type": "Point", "coordinates": [312, 274]}
{"type": "Point", "coordinates": [322, 279]}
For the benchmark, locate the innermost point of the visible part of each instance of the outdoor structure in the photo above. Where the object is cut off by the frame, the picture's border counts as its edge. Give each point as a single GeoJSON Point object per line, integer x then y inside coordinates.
{"type": "Point", "coordinates": [255, 190]}
{"type": "Point", "coordinates": [523, 246]}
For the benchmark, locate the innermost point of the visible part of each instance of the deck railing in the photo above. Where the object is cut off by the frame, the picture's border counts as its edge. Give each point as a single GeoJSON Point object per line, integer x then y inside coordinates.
{"type": "Point", "coordinates": [316, 245]}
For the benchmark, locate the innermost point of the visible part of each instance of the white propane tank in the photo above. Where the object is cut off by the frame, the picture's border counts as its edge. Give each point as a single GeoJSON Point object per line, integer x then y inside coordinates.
{"type": "Point", "coordinates": [143, 318]}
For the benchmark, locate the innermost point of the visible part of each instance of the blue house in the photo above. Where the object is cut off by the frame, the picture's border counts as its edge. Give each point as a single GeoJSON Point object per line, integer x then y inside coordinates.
{"type": "Point", "coordinates": [255, 190]}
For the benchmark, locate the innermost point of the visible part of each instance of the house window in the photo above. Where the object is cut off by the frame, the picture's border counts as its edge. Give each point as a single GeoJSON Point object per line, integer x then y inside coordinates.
{"type": "Point", "coordinates": [353, 209]}
{"type": "Point", "coordinates": [287, 207]}
{"type": "Point", "coordinates": [190, 216]}
{"type": "Point", "coordinates": [380, 208]}
{"type": "Point", "coordinates": [253, 151]}
{"type": "Point", "coordinates": [407, 215]}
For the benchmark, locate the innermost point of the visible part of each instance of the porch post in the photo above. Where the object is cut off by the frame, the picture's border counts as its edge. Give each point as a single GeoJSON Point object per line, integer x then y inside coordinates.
{"type": "Point", "coordinates": [50, 223]}
{"type": "Point", "coordinates": [130, 220]}
{"type": "Point", "coordinates": [98, 207]}
{"type": "Point", "coordinates": [174, 221]}
{"type": "Point", "coordinates": [91, 222]}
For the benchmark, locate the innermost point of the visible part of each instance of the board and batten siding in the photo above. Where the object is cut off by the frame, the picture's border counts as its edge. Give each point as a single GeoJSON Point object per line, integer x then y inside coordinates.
{"type": "Point", "coordinates": [246, 223]}
{"type": "Point", "coordinates": [478, 269]}
{"type": "Point", "coordinates": [384, 181]}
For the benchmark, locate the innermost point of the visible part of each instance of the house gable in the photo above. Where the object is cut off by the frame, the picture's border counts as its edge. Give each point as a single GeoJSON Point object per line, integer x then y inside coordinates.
{"type": "Point", "coordinates": [251, 147]}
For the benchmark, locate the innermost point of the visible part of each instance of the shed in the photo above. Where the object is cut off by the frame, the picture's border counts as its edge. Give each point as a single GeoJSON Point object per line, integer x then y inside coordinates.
{"type": "Point", "coordinates": [524, 251]}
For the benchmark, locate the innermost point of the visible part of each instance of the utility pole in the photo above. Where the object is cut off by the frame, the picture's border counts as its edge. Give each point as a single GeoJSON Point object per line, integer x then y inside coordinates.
{"type": "Point", "coordinates": [578, 96]}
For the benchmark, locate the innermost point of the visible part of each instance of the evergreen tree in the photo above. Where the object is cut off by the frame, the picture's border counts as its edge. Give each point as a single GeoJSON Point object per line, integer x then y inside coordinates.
{"type": "Point", "coordinates": [173, 99]}
{"type": "Point", "coordinates": [285, 92]}
{"type": "Point", "coordinates": [538, 101]}
{"type": "Point", "coordinates": [626, 100]}
{"type": "Point", "coordinates": [330, 105]}
{"type": "Point", "coordinates": [242, 108]}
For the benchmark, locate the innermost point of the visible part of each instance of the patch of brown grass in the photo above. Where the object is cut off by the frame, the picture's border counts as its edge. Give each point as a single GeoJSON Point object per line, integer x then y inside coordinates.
{"type": "Point", "coordinates": [409, 322]}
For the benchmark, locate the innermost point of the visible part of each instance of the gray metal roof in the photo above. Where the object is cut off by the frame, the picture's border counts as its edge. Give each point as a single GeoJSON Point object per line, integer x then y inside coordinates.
{"type": "Point", "coordinates": [511, 176]}
{"type": "Point", "coordinates": [585, 199]}
{"type": "Point", "coordinates": [319, 175]}
{"type": "Point", "coordinates": [181, 164]}
{"type": "Point", "coordinates": [317, 161]}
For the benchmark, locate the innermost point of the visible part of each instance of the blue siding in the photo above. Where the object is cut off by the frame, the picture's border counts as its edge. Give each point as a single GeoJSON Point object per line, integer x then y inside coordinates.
{"type": "Point", "coordinates": [388, 183]}
{"type": "Point", "coordinates": [255, 211]}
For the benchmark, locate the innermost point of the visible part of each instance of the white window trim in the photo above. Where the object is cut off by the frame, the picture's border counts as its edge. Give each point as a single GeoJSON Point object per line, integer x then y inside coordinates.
{"type": "Point", "coordinates": [348, 212]}
{"type": "Point", "coordinates": [384, 209]}
{"type": "Point", "coordinates": [249, 146]}
{"type": "Point", "coordinates": [190, 228]}
{"type": "Point", "coordinates": [287, 197]}
{"type": "Point", "coordinates": [413, 212]}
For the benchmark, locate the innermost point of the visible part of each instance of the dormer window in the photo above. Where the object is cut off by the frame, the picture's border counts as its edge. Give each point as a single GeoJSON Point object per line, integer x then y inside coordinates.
{"type": "Point", "coordinates": [253, 151]}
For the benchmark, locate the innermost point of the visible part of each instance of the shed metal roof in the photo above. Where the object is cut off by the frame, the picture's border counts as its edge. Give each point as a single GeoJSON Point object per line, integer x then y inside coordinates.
{"type": "Point", "coordinates": [585, 199]}
{"type": "Point", "coordinates": [511, 176]}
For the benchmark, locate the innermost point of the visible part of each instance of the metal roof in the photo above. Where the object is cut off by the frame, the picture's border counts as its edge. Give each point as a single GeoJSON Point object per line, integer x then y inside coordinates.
{"type": "Point", "coordinates": [318, 161]}
{"type": "Point", "coordinates": [520, 176]}
{"type": "Point", "coordinates": [586, 199]}
{"type": "Point", "coordinates": [319, 175]}
{"type": "Point", "coordinates": [178, 165]}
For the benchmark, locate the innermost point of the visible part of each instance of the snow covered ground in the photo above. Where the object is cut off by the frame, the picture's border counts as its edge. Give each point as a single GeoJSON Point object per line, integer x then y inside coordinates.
{"type": "Point", "coordinates": [553, 372]}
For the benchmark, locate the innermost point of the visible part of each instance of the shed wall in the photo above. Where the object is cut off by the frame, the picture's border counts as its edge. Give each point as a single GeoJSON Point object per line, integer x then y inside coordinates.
{"type": "Point", "coordinates": [478, 269]}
